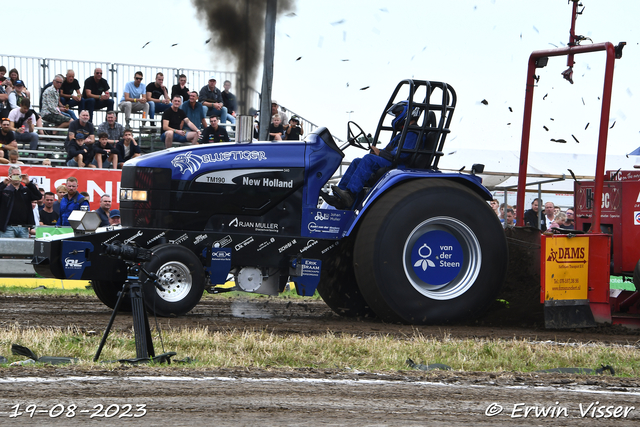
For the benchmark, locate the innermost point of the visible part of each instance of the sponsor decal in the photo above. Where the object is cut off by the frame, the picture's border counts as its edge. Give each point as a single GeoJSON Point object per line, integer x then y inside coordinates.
{"type": "Point", "coordinates": [155, 238]}
{"type": "Point", "coordinates": [220, 254]}
{"type": "Point", "coordinates": [200, 238]}
{"type": "Point", "coordinates": [72, 263]}
{"type": "Point", "coordinates": [328, 248]}
{"type": "Point", "coordinates": [266, 243]}
{"type": "Point", "coordinates": [321, 217]}
{"type": "Point", "coordinates": [266, 182]}
{"type": "Point", "coordinates": [132, 238]}
{"type": "Point", "coordinates": [244, 243]}
{"type": "Point", "coordinates": [287, 246]}
{"type": "Point", "coordinates": [256, 226]}
{"type": "Point", "coordinates": [636, 218]}
{"type": "Point", "coordinates": [575, 255]}
{"type": "Point", "coordinates": [437, 258]}
{"type": "Point", "coordinates": [111, 238]}
{"type": "Point", "coordinates": [309, 244]}
{"type": "Point", "coordinates": [180, 239]}
{"type": "Point", "coordinates": [192, 162]}
{"type": "Point", "coordinates": [222, 242]}
{"type": "Point", "coordinates": [321, 228]}
{"type": "Point", "coordinates": [228, 176]}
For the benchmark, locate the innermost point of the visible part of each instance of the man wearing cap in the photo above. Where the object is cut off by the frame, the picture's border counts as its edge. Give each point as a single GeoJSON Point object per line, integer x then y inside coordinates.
{"type": "Point", "coordinates": [155, 91]}
{"type": "Point", "coordinates": [134, 98]}
{"type": "Point", "coordinates": [52, 110]}
{"type": "Point", "coordinates": [16, 212]}
{"type": "Point", "coordinates": [78, 154]}
{"type": "Point", "coordinates": [211, 99]}
{"type": "Point", "coordinates": [114, 217]}
{"type": "Point", "coordinates": [82, 126]}
{"type": "Point", "coordinates": [96, 93]}
{"type": "Point", "coordinates": [17, 95]}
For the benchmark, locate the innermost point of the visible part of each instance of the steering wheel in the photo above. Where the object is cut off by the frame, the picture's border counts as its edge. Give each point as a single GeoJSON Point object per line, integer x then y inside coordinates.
{"type": "Point", "coordinates": [352, 138]}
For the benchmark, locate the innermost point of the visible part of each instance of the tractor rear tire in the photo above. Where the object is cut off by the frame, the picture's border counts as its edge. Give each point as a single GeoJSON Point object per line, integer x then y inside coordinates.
{"type": "Point", "coordinates": [181, 275]}
{"type": "Point", "coordinates": [430, 251]}
{"type": "Point", "coordinates": [636, 276]}
{"type": "Point", "coordinates": [107, 292]}
{"type": "Point", "coordinates": [338, 286]}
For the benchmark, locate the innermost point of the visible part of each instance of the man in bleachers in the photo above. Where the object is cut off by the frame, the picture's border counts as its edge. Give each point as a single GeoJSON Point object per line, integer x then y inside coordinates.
{"type": "Point", "coordinates": [230, 102]}
{"type": "Point", "coordinates": [181, 89]}
{"type": "Point", "coordinates": [51, 108]}
{"type": "Point", "coordinates": [211, 99]}
{"type": "Point", "coordinates": [157, 96]}
{"type": "Point", "coordinates": [194, 110]}
{"type": "Point", "coordinates": [7, 141]}
{"type": "Point", "coordinates": [127, 149]}
{"type": "Point", "coordinates": [79, 154]}
{"type": "Point", "coordinates": [174, 124]}
{"type": "Point", "coordinates": [275, 109]}
{"type": "Point", "coordinates": [22, 123]}
{"type": "Point", "coordinates": [96, 93]}
{"type": "Point", "coordinates": [113, 129]}
{"type": "Point", "coordinates": [214, 133]}
{"type": "Point", "coordinates": [17, 95]}
{"type": "Point", "coordinates": [134, 98]}
{"type": "Point", "coordinates": [81, 126]}
{"type": "Point", "coordinates": [67, 97]}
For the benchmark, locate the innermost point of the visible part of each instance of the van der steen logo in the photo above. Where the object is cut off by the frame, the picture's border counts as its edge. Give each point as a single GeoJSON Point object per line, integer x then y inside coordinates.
{"type": "Point", "coordinates": [567, 256]}
{"type": "Point", "coordinates": [192, 162]}
{"type": "Point", "coordinates": [424, 252]}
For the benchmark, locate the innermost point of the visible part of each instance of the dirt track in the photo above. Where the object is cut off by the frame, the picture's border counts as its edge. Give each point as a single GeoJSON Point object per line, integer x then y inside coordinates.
{"type": "Point", "coordinates": [305, 396]}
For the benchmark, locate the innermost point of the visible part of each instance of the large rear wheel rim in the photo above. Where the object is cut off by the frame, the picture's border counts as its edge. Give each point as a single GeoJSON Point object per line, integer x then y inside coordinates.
{"type": "Point", "coordinates": [418, 258]}
{"type": "Point", "coordinates": [176, 280]}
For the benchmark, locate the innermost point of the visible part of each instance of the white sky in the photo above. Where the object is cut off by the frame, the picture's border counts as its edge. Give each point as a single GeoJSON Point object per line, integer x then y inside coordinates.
{"type": "Point", "coordinates": [480, 47]}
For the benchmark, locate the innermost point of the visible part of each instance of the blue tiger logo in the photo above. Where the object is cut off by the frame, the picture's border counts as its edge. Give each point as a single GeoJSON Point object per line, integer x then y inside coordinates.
{"type": "Point", "coordinates": [187, 162]}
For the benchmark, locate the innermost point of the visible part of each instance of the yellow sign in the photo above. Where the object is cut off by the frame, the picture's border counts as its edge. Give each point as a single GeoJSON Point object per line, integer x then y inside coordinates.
{"type": "Point", "coordinates": [566, 272]}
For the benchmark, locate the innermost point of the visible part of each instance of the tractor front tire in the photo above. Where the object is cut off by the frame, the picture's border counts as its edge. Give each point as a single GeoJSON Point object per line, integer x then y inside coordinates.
{"type": "Point", "coordinates": [430, 251]}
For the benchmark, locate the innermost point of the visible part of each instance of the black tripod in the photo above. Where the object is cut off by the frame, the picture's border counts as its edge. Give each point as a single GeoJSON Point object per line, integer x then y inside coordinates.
{"type": "Point", "coordinates": [142, 333]}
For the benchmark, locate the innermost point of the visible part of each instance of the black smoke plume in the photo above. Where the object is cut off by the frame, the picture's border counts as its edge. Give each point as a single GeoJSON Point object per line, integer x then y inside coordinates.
{"type": "Point", "coordinates": [237, 29]}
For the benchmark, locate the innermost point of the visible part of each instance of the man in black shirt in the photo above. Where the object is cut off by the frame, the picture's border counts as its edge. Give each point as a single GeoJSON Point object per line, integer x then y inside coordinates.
{"type": "Point", "coordinates": [181, 88]}
{"type": "Point", "coordinates": [82, 126]}
{"type": "Point", "coordinates": [16, 211]}
{"type": "Point", "coordinates": [214, 133]}
{"type": "Point", "coordinates": [156, 91]}
{"type": "Point", "coordinates": [7, 141]}
{"type": "Point", "coordinates": [67, 96]}
{"type": "Point", "coordinates": [173, 122]}
{"type": "Point", "coordinates": [96, 93]}
{"type": "Point", "coordinates": [47, 215]}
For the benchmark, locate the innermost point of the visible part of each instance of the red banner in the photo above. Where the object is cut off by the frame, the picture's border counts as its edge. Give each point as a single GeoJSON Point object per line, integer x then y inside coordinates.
{"type": "Point", "coordinates": [96, 182]}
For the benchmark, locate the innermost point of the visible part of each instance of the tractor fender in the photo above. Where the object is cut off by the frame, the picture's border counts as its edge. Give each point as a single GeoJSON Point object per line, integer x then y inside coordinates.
{"type": "Point", "coordinates": [397, 176]}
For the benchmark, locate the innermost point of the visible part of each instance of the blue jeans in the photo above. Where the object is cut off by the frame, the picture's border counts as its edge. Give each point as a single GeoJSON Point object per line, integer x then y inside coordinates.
{"type": "Point", "coordinates": [359, 172]}
{"type": "Point", "coordinates": [91, 105]}
{"type": "Point", "coordinates": [72, 103]}
{"type": "Point", "coordinates": [157, 107]}
{"type": "Point", "coordinates": [14, 231]}
{"type": "Point", "coordinates": [222, 113]}
{"type": "Point", "coordinates": [30, 137]}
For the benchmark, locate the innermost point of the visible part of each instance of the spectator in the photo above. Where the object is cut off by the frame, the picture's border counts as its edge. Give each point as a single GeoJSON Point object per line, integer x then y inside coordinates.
{"type": "Point", "coordinates": [181, 89]}
{"type": "Point", "coordinates": [495, 205]}
{"type": "Point", "coordinates": [360, 170]}
{"type": "Point", "coordinates": [14, 158]}
{"type": "Point", "coordinates": [294, 130]}
{"type": "Point", "coordinates": [173, 122]}
{"type": "Point", "coordinates": [22, 123]}
{"type": "Point", "coordinates": [46, 162]}
{"type": "Point", "coordinates": [211, 100]}
{"type": "Point", "coordinates": [558, 220]}
{"type": "Point", "coordinates": [17, 95]}
{"type": "Point", "coordinates": [52, 110]}
{"type": "Point", "coordinates": [3, 71]}
{"type": "Point", "coordinates": [531, 216]}
{"type": "Point", "coordinates": [194, 110]}
{"type": "Point", "coordinates": [14, 76]}
{"type": "Point", "coordinates": [214, 133]}
{"type": "Point", "coordinates": [7, 141]}
{"type": "Point", "coordinates": [4, 101]}
{"type": "Point", "coordinates": [569, 222]}
{"type": "Point", "coordinates": [72, 201]}
{"type": "Point", "coordinates": [79, 154]}
{"type": "Point", "coordinates": [113, 129]}
{"type": "Point", "coordinates": [104, 155]}
{"type": "Point", "coordinates": [229, 101]}
{"type": "Point", "coordinates": [114, 217]}
{"type": "Point", "coordinates": [41, 201]}
{"type": "Point", "coordinates": [550, 212]}
{"type": "Point", "coordinates": [96, 93]}
{"type": "Point", "coordinates": [510, 217]}
{"type": "Point", "coordinates": [275, 109]}
{"type": "Point", "coordinates": [67, 97]}
{"type": "Point", "coordinates": [275, 128]}
{"type": "Point", "coordinates": [16, 211]}
{"type": "Point", "coordinates": [62, 191]}
{"type": "Point", "coordinates": [127, 148]}
{"type": "Point", "coordinates": [82, 126]}
{"type": "Point", "coordinates": [156, 91]}
{"type": "Point", "coordinates": [103, 210]}
{"type": "Point", "coordinates": [47, 215]}
{"type": "Point", "coordinates": [134, 98]}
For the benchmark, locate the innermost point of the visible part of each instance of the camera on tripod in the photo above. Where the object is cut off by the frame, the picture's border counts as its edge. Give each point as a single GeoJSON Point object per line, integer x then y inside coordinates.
{"type": "Point", "coordinates": [127, 252]}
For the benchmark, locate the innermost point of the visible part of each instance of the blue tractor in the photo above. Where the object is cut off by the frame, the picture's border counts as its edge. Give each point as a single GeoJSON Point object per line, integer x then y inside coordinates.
{"type": "Point", "coordinates": [413, 245]}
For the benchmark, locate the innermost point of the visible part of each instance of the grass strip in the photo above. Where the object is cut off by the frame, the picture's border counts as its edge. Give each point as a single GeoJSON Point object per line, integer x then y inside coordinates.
{"type": "Point", "coordinates": [263, 349]}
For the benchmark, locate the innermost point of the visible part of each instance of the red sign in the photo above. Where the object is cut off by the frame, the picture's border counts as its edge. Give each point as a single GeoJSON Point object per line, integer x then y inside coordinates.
{"type": "Point", "coordinates": [96, 182]}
